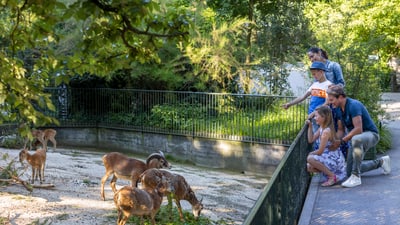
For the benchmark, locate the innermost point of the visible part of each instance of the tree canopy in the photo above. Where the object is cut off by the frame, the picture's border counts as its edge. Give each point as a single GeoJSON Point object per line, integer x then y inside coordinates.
{"type": "Point", "coordinates": [108, 35]}
{"type": "Point", "coordinates": [221, 45]}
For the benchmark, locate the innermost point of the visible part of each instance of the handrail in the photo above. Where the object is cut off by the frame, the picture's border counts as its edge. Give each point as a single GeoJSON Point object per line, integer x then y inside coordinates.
{"type": "Point", "coordinates": [282, 199]}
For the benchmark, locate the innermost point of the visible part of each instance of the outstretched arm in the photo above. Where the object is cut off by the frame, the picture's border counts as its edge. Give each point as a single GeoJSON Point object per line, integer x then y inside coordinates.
{"type": "Point", "coordinates": [296, 100]}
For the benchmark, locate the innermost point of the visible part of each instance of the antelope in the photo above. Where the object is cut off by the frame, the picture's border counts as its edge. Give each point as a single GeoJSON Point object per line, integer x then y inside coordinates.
{"type": "Point", "coordinates": [123, 167]}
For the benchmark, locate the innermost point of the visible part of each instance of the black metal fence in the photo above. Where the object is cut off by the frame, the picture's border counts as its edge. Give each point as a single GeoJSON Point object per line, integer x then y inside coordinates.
{"type": "Point", "coordinates": [282, 200]}
{"type": "Point", "coordinates": [247, 118]}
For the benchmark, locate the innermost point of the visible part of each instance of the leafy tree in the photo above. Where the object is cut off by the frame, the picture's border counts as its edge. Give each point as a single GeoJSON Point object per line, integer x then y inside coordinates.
{"type": "Point", "coordinates": [278, 34]}
{"type": "Point", "coordinates": [108, 36]}
{"type": "Point", "coordinates": [362, 37]}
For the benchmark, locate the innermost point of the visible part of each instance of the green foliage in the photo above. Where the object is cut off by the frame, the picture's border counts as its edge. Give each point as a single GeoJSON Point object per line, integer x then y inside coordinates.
{"type": "Point", "coordinates": [11, 142]}
{"type": "Point", "coordinates": [4, 220]}
{"type": "Point", "coordinates": [353, 31]}
{"type": "Point", "coordinates": [229, 120]}
{"type": "Point", "coordinates": [10, 170]}
{"type": "Point", "coordinates": [45, 44]}
{"type": "Point", "coordinates": [213, 55]}
{"type": "Point", "coordinates": [172, 116]}
{"type": "Point", "coordinates": [385, 142]}
{"type": "Point", "coordinates": [165, 217]}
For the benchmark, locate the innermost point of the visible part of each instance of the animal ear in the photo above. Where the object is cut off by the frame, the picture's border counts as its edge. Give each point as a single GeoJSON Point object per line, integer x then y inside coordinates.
{"type": "Point", "coordinates": [162, 154]}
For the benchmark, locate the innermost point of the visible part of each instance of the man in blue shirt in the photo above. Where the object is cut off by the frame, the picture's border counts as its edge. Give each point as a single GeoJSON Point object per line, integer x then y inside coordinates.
{"type": "Point", "coordinates": [361, 133]}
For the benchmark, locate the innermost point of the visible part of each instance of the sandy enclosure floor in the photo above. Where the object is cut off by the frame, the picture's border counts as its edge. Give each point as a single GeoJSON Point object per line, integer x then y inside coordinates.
{"type": "Point", "coordinates": [75, 199]}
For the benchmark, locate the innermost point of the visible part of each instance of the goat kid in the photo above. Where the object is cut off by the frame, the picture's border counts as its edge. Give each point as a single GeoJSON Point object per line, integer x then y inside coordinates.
{"type": "Point", "coordinates": [181, 189]}
{"type": "Point", "coordinates": [139, 202]}
{"type": "Point", "coordinates": [123, 167]}
{"type": "Point", "coordinates": [37, 161]}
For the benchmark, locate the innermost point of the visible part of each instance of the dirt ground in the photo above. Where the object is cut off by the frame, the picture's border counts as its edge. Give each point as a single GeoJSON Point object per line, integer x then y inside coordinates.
{"type": "Point", "coordinates": [75, 199]}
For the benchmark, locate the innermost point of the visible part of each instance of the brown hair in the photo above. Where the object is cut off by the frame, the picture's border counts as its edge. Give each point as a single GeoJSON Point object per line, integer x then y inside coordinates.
{"type": "Point", "coordinates": [336, 90]}
{"type": "Point", "coordinates": [326, 112]}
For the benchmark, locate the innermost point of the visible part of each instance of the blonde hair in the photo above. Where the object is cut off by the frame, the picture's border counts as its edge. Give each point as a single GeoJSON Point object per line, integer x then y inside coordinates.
{"type": "Point", "coordinates": [326, 112]}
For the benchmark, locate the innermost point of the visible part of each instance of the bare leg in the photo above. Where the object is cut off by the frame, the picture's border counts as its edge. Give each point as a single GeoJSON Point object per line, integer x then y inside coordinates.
{"type": "Point", "coordinates": [319, 166]}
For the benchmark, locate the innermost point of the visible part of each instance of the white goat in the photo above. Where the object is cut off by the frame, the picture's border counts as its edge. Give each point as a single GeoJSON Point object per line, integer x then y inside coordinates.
{"type": "Point", "coordinates": [139, 202]}
{"type": "Point", "coordinates": [181, 189]}
{"type": "Point", "coordinates": [127, 168]}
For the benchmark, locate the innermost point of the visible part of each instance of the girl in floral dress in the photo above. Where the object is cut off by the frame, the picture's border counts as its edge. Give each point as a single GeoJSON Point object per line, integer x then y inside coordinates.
{"type": "Point", "coordinates": [330, 162]}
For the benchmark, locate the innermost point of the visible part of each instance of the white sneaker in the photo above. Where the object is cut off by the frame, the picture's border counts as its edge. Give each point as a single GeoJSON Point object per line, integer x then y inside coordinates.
{"type": "Point", "coordinates": [386, 165]}
{"type": "Point", "coordinates": [352, 181]}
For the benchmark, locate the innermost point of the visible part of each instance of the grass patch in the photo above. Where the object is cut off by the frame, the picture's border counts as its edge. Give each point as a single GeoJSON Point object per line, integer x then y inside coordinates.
{"type": "Point", "coordinates": [165, 217]}
{"type": "Point", "coordinates": [4, 220]}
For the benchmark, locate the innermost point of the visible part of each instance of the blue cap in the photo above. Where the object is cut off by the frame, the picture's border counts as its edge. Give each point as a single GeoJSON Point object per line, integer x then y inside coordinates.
{"type": "Point", "coordinates": [318, 66]}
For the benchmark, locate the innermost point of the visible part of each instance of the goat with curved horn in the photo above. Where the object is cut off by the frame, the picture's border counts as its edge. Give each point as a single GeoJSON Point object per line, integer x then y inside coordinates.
{"type": "Point", "coordinates": [123, 167]}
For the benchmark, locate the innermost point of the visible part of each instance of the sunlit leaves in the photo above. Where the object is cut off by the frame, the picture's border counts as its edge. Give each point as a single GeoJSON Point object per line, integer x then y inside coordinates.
{"type": "Point", "coordinates": [353, 30]}
{"type": "Point", "coordinates": [44, 43]}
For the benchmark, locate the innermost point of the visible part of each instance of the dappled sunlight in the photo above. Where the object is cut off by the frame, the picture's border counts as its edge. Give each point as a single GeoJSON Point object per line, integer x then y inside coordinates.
{"type": "Point", "coordinates": [226, 150]}
{"type": "Point", "coordinates": [89, 203]}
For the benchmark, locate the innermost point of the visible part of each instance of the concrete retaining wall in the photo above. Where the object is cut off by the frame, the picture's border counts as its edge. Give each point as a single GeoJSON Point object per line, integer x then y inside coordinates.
{"type": "Point", "coordinates": [211, 153]}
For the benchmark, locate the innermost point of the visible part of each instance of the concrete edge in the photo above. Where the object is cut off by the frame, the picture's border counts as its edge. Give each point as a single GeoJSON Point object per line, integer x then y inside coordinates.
{"type": "Point", "coordinates": [308, 207]}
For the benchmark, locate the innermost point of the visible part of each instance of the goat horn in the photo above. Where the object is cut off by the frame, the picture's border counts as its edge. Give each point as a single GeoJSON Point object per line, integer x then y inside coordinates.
{"type": "Point", "coordinates": [154, 155]}
{"type": "Point", "coordinates": [162, 154]}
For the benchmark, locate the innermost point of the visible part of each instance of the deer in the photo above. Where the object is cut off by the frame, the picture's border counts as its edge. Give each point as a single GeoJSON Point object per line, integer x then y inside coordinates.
{"type": "Point", "coordinates": [37, 161]}
{"type": "Point", "coordinates": [43, 137]}
{"type": "Point", "coordinates": [139, 202]}
{"type": "Point", "coordinates": [181, 190]}
{"type": "Point", "coordinates": [123, 167]}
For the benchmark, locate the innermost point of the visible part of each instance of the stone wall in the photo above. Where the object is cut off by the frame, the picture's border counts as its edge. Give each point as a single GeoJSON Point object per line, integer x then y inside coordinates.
{"type": "Point", "coordinates": [211, 153]}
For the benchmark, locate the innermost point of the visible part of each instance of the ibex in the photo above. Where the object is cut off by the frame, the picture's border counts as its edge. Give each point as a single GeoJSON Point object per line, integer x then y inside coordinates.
{"type": "Point", "coordinates": [139, 202]}
{"type": "Point", "coordinates": [181, 189]}
{"type": "Point", "coordinates": [127, 168]}
{"type": "Point", "coordinates": [37, 161]}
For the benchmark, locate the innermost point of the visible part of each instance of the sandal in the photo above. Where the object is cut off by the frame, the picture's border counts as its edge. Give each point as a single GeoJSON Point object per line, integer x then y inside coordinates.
{"type": "Point", "coordinates": [331, 181]}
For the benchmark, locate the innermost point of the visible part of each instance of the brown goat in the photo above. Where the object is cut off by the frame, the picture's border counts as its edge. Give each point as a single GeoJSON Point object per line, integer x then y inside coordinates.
{"type": "Point", "coordinates": [37, 161]}
{"type": "Point", "coordinates": [139, 202]}
{"type": "Point", "coordinates": [43, 137]}
{"type": "Point", "coordinates": [127, 168]}
{"type": "Point", "coordinates": [181, 189]}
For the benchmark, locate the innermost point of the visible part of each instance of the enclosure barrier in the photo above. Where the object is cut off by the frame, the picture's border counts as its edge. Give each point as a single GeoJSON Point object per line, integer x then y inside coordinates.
{"type": "Point", "coordinates": [281, 201]}
{"type": "Point", "coordinates": [236, 117]}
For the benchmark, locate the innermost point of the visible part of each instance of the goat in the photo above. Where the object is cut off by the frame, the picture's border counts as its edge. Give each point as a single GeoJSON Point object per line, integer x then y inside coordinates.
{"type": "Point", "coordinates": [139, 202]}
{"type": "Point", "coordinates": [43, 137]}
{"type": "Point", "coordinates": [127, 168]}
{"type": "Point", "coordinates": [37, 161]}
{"type": "Point", "coordinates": [182, 190]}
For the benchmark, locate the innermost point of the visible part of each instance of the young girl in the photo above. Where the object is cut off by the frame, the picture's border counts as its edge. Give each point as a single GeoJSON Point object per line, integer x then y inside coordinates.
{"type": "Point", "coordinates": [330, 162]}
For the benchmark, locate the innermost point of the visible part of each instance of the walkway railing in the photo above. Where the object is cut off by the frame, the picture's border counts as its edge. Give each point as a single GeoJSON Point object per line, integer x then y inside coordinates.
{"type": "Point", "coordinates": [238, 117]}
{"type": "Point", "coordinates": [282, 200]}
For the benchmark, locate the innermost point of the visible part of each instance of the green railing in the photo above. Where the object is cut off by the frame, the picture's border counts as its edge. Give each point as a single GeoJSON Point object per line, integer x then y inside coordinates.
{"type": "Point", "coordinates": [282, 200]}
{"type": "Point", "coordinates": [247, 118]}
{"type": "Point", "coordinates": [8, 129]}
